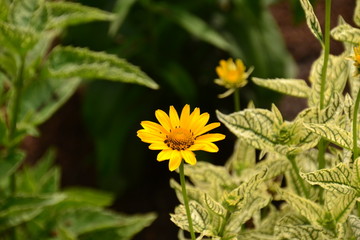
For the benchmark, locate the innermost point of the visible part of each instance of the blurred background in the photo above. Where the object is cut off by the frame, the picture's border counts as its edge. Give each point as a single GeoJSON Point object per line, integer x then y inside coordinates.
{"type": "Point", "coordinates": [178, 44]}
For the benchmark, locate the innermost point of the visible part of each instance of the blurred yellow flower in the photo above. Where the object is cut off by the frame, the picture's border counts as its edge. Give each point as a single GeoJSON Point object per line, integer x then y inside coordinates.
{"type": "Point", "coordinates": [232, 75]}
{"type": "Point", "coordinates": [177, 137]}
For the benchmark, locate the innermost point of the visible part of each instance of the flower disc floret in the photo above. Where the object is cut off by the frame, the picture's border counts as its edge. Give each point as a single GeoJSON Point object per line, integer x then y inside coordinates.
{"type": "Point", "coordinates": [178, 137]}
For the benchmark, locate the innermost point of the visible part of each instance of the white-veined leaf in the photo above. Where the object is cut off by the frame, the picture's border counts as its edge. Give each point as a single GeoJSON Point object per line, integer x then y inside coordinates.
{"type": "Point", "coordinates": [67, 62]}
{"type": "Point", "coordinates": [292, 87]}
{"type": "Point", "coordinates": [332, 133]}
{"type": "Point", "coordinates": [313, 212]}
{"type": "Point", "coordinates": [311, 20]}
{"type": "Point", "coordinates": [354, 223]}
{"type": "Point", "coordinates": [242, 158]}
{"type": "Point", "coordinates": [63, 14]}
{"type": "Point", "coordinates": [334, 179]}
{"type": "Point", "coordinates": [336, 77]}
{"type": "Point", "coordinates": [340, 205]}
{"type": "Point", "coordinates": [346, 33]}
{"type": "Point", "coordinates": [298, 232]}
{"type": "Point", "coordinates": [238, 218]}
{"type": "Point", "coordinates": [213, 205]}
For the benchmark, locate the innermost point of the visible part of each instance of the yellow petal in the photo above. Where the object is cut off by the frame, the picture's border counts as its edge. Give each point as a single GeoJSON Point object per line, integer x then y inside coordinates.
{"type": "Point", "coordinates": [153, 127]}
{"type": "Point", "coordinates": [200, 123]}
{"type": "Point", "coordinates": [210, 137]}
{"type": "Point", "coordinates": [164, 155]}
{"type": "Point", "coordinates": [147, 137]}
{"type": "Point", "coordinates": [189, 157]}
{"type": "Point", "coordinates": [208, 128]}
{"type": "Point", "coordinates": [163, 119]}
{"type": "Point", "coordinates": [185, 116]}
{"type": "Point", "coordinates": [175, 160]}
{"type": "Point", "coordinates": [158, 146]}
{"type": "Point", "coordinates": [174, 117]}
{"type": "Point", "coordinates": [204, 146]}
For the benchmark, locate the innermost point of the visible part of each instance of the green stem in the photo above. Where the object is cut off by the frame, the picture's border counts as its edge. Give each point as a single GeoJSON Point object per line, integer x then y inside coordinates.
{"type": "Point", "coordinates": [297, 172]}
{"type": "Point", "coordinates": [18, 85]}
{"type": "Point", "coordinates": [354, 126]}
{"type": "Point", "coordinates": [237, 100]}
{"type": "Point", "coordinates": [186, 200]}
{"type": "Point", "coordinates": [223, 225]}
{"type": "Point", "coordinates": [326, 51]}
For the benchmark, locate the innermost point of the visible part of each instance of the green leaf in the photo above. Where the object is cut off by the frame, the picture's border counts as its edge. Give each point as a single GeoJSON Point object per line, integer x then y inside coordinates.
{"type": "Point", "coordinates": [30, 14]}
{"type": "Point", "coordinates": [305, 207]}
{"type": "Point", "coordinates": [4, 9]}
{"type": "Point", "coordinates": [67, 62]}
{"type": "Point", "coordinates": [10, 164]}
{"type": "Point", "coordinates": [292, 87]}
{"type": "Point", "coordinates": [357, 13]}
{"type": "Point", "coordinates": [63, 14]}
{"type": "Point", "coordinates": [336, 78]}
{"type": "Point", "coordinates": [19, 39]}
{"type": "Point", "coordinates": [89, 223]}
{"type": "Point", "coordinates": [334, 179]}
{"type": "Point", "coordinates": [42, 98]}
{"type": "Point", "coordinates": [121, 9]}
{"type": "Point", "coordinates": [8, 64]}
{"type": "Point", "coordinates": [89, 196]}
{"type": "Point", "coordinates": [346, 33]}
{"type": "Point", "coordinates": [20, 209]}
{"type": "Point", "coordinates": [243, 158]}
{"type": "Point", "coordinates": [354, 223]}
{"type": "Point", "coordinates": [195, 26]}
{"type": "Point", "coordinates": [332, 133]}
{"type": "Point", "coordinates": [311, 20]}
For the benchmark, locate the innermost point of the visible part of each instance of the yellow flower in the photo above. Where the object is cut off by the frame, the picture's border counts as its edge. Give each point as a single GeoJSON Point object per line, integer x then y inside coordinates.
{"type": "Point", "coordinates": [232, 75]}
{"type": "Point", "coordinates": [177, 137]}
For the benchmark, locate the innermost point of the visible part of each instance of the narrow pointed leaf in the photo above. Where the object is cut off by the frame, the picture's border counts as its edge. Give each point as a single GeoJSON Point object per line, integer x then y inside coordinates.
{"type": "Point", "coordinates": [63, 14]}
{"type": "Point", "coordinates": [311, 20]}
{"type": "Point", "coordinates": [292, 87]}
{"type": "Point", "coordinates": [67, 62]}
{"type": "Point", "coordinates": [332, 133]}
{"type": "Point", "coordinates": [346, 33]}
{"type": "Point", "coordinates": [121, 9]}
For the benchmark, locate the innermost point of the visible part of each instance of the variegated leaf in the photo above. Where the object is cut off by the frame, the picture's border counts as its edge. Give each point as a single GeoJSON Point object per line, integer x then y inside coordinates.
{"type": "Point", "coordinates": [292, 87]}
{"type": "Point", "coordinates": [275, 166]}
{"type": "Point", "coordinates": [357, 13]}
{"type": "Point", "coordinates": [311, 20]}
{"type": "Point", "coordinates": [354, 223]}
{"type": "Point", "coordinates": [332, 133]}
{"type": "Point", "coordinates": [213, 205]}
{"type": "Point", "coordinates": [356, 173]}
{"type": "Point", "coordinates": [193, 193]}
{"type": "Point", "coordinates": [298, 232]}
{"type": "Point", "coordinates": [238, 218]}
{"type": "Point", "coordinates": [313, 212]}
{"type": "Point", "coordinates": [346, 33]}
{"type": "Point", "coordinates": [242, 158]}
{"type": "Point", "coordinates": [335, 179]}
{"type": "Point", "coordinates": [258, 128]}
{"type": "Point", "coordinates": [336, 77]}
{"type": "Point", "coordinates": [238, 196]}
{"type": "Point", "coordinates": [340, 205]}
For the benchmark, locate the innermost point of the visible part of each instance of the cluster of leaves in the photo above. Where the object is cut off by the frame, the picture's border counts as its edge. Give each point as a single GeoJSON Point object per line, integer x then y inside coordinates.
{"type": "Point", "coordinates": [306, 185]}
{"type": "Point", "coordinates": [36, 77]}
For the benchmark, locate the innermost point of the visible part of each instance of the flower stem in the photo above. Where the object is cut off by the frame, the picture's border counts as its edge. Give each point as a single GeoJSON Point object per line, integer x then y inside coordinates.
{"type": "Point", "coordinates": [326, 51]}
{"type": "Point", "coordinates": [186, 200]}
{"type": "Point", "coordinates": [237, 100]}
{"type": "Point", "coordinates": [297, 172]}
{"type": "Point", "coordinates": [354, 126]}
